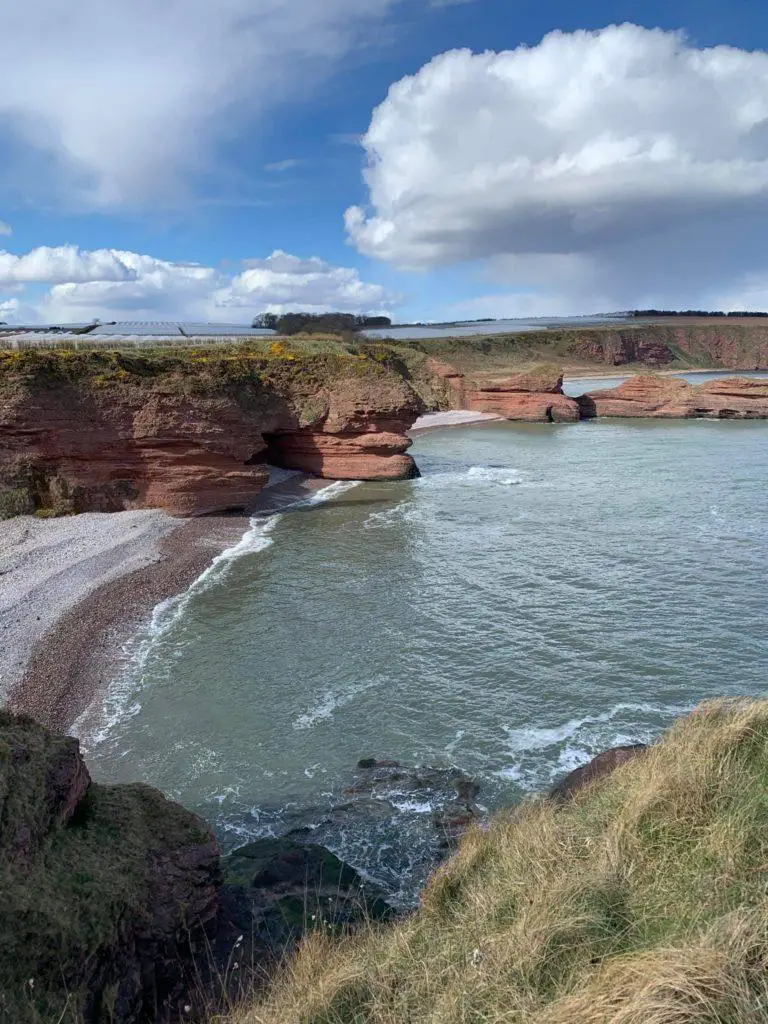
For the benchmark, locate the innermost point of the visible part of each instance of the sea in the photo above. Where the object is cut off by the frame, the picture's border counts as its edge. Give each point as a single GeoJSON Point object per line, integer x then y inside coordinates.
{"type": "Point", "coordinates": [541, 593]}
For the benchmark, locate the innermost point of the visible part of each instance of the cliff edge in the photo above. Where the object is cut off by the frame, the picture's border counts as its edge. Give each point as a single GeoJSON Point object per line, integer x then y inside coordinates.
{"type": "Point", "coordinates": [189, 431]}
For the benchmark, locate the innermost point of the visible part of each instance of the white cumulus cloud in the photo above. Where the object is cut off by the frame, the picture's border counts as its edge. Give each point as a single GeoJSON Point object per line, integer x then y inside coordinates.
{"type": "Point", "coordinates": [621, 166]}
{"type": "Point", "coordinates": [114, 284]}
{"type": "Point", "coordinates": [9, 308]}
{"type": "Point", "coordinates": [68, 263]}
{"type": "Point", "coordinates": [282, 282]}
{"type": "Point", "coordinates": [122, 100]}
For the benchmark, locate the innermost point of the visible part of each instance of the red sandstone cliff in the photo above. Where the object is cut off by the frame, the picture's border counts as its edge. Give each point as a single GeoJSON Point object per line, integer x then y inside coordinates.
{"type": "Point", "coordinates": [102, 432]}
{"type": "Point", "coordinates": [533, 397]}
{"type": "Point", "coordinates": [650, 395]}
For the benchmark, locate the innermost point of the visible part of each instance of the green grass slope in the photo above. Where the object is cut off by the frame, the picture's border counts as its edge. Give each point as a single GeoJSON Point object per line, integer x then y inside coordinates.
{"type": "Point", "coordinates": [644, 901]}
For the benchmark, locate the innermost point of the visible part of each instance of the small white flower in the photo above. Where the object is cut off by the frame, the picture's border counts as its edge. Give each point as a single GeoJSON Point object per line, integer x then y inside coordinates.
{"type": "Point", "coordinates": [239, 940]}
{"type": "Point", "coordinates": [31, 982]}
{"type": "Point", "coordinates": [477, 957]}
{"type": "Point", "coordinates": [187, 1008]}
{"type": "Point", "coordinates": [236, 966]}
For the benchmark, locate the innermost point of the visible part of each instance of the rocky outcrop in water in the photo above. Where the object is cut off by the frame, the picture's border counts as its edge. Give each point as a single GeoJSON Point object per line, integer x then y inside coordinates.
{"type": "Point", "coordinates": [107, 893]}
{"type": "Point", "coordinates": [189, 433]}
{"type": "Point", "coordinates": [534, 397]}
{"type": "Point", "coordinates": [651, 395]}
{"type": "Point", "coordinates": [359, 434]}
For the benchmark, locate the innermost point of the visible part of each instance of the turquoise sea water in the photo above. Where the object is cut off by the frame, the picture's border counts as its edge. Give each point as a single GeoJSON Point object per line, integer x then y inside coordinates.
{"type": "Point", "coordinates": [543, 592]}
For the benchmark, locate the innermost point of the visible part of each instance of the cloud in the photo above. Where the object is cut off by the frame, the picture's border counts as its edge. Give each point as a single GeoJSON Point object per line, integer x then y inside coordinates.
{"type": "Point", "coordinates": [283, 165]}
{"type": "Point", "coordinates": [65, 263]}
{"type": "Point", "coordinates": [126, 100]}
{"type": "Point", "coordinates": [113, 284]}
{"type": "Point", "coordinates": [282, 282]}
{"type": "Point", "coordinates": [5, 229]}
{"type": "Point", "coordinates": [9, 308]}
{"type": "Point", "coordinates": [620, 166]}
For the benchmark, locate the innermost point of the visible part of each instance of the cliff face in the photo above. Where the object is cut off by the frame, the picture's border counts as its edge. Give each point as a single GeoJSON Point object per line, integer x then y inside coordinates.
{"type": "Point", "coordinates": [190, 432]}
{"type": "Point", "coordinates": [728, 346]}
{"type": "Point", "coordinates": [716, 343]}
{"type": "Point", "coordinates": [106, 893]}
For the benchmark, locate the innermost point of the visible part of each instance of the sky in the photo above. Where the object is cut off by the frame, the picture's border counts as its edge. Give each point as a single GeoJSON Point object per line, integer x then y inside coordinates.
{"type": "Point", "coordinates": [427, 159]}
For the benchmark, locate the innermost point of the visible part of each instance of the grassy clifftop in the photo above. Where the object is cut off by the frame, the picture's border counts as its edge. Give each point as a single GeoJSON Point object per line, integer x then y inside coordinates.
{"type": "Point", "coordinates": [644, 901]}
{"type": "Point", "coordinates": [286, 366]}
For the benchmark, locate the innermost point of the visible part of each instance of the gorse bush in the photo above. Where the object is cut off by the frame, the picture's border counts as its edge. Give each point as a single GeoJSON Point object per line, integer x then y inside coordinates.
{"type": "Point", "coordinates": [643, 901]}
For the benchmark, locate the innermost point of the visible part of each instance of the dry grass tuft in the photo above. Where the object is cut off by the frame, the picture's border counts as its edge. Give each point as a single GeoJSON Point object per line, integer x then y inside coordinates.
{"type": "Point", "coordinates": [644, 901]}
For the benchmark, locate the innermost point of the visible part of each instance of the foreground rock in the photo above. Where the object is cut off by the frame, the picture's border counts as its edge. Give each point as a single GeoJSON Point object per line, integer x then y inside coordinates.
{"type": "Point", "coordinates": [598, 768]}
{"type": "Point", "coordinates": [107, 893]}
{"type": "Point", "coordinates": [274, 892]}
{"type": "Point", "coordinates": [651, 395]}
{"type": "Point", "coordinates": [189, 433]}
{"type": "Point", "coordinates": [116, 909]}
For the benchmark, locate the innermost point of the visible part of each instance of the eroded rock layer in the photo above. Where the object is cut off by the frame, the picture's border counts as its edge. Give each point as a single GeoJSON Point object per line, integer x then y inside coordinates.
{"type": "Point", "coordinates": [651, 395]}
{"type": "Point", "coordinates": [101, 431]}
{"type": "Point", "coordinates": [534, 397]}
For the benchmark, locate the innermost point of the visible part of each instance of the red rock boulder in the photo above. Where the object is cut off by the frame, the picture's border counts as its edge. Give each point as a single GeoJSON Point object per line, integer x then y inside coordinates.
{"type": "Point", "coordinates": [647, 394]}
{"type": "Point", "coordinates": [375, 456]}
{"type": "Point", "coordinates": [534, 397]}
{"type": "Point", "coordinates": [357, 433]}
{"type": "Point", "coordinates": [736, 398]}
{"type": "Point", "coordinates": [598, 768]}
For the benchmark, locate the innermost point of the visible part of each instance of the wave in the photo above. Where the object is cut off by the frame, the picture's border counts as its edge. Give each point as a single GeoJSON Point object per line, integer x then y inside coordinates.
{"type": "Point", "coordinates": [499, 476]}
{"type": "Point", "coordinates": [120, 701]}
{"type": "Point", "coordinates": [581, 739]}
{"type": "Point", "coordinates": [329, 703]}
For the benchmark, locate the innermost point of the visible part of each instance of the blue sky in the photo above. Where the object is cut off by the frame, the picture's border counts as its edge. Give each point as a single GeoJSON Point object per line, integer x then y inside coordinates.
{"type": "Point", "coordinates": [604, 169]}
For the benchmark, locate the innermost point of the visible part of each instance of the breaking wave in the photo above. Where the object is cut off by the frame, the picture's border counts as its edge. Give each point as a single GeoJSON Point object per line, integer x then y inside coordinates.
{"type": "Point", "coordinates": [121, 700]}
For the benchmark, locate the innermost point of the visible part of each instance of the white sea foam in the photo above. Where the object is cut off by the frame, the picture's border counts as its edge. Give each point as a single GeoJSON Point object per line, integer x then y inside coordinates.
{"type": "Point", "coordinates": [583, 738]}
{"type": "Point", "coordinates": [497, 476]}
{"type": "Point", "coordinates": [534, 739]}
{"type": "Point", "coordinates": [121, 700]}
{"type": "Point", "coordinates": [413, 806]}
{"type": "Point", "coordinates": [329, 703]}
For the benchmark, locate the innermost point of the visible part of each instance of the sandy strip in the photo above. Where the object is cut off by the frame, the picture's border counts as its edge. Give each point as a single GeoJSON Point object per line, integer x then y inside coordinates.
{"type": "Point", "coordinates": [49, 564]}
{"type": "Point", "coordinates": [74, 590]}
{"type": "Point", "coordinates": [454, 418]}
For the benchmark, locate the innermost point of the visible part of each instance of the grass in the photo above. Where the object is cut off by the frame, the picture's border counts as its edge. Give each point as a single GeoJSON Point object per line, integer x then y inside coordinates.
{"type": "Point", "coordinates": [644, 901]}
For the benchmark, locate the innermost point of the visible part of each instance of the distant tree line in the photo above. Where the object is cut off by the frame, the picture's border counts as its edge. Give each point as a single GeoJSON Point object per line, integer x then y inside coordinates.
{"type": "Point", "coordinates": [315, 323]}
{"type": "Point", "coordinates": [693, 312]}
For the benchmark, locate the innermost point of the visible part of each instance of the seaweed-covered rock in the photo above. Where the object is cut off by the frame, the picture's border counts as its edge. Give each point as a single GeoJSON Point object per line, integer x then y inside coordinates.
{"type": "Point", "coordinates": [106, 892]}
